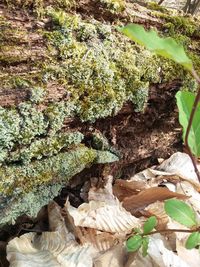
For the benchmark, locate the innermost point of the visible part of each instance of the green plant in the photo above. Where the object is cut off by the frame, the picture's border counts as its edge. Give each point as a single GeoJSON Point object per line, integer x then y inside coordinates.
{"type": "Point", "coordinates": [189, 114]}
{"type": "Point", "coordinates": [178, 211]}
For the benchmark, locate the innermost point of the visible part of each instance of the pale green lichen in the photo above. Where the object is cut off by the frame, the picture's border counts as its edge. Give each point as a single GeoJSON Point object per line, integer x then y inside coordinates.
{"type": "Point", "coordinates": [56, 114]}
{"type": "Point", "coordinates": [98, 67]}
{"type": "Point", "coordinates": [18, 179]}
{"type": "Point", "coordinates": [105, 157]}
{"type": "Point", "coordinates": [30, 203]}
{"type": "Point", "coordinates": [100, 142]}
{"type": "Point", "coordinates": [32, 123]}
{"type": "Point", "coordinates": [9, 127]}
{"type": "Point", "coordinates": [45, 147]}
{"type": "Point", "coordinates": [37, 94]}
{"type": "Point", "coordinates": [20, 182]}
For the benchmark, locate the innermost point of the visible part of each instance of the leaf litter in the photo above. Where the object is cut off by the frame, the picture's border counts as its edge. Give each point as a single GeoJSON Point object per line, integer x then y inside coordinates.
{"type": "Point", "coordinates": [94, 234]}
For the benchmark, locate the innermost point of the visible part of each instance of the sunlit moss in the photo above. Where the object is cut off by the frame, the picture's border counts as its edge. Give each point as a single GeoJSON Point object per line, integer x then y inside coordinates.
{"type": "Point", "coordinates": [114, 6]}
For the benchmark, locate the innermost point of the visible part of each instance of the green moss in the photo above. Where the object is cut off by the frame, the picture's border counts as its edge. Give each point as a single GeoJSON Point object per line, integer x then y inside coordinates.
{"type": "Point", "coordinates": [114, 6]}
{"type": "Point", "coordinates": [37, 7]}
{"type": "Point", "coordinates": [155, 6]}
{"type": "Point", "coordinates": [98, 67]}
{"type": "Point", "coordinates": [184, 25]}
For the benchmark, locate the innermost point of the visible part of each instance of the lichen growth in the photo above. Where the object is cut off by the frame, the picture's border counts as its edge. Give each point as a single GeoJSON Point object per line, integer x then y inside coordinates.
{"type": "Point", "coordinates": [20, 182]}
{"type": "Point", "coordinates": [106, 157]}
{"type": "Point", "coordinates": [100, 142]}
{"type": "Point", "coordinates": [45, 147]}
{"type": "Point", "coordinates": [18, 179]}
{"type": "Point", "coordinates": [37, 94]}
{"type": "Point", "coordinates": [30, 203]}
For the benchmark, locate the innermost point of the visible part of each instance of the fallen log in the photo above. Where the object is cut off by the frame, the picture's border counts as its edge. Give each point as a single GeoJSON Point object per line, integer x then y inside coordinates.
{"type": "Point", "coordinates": [68, 80]}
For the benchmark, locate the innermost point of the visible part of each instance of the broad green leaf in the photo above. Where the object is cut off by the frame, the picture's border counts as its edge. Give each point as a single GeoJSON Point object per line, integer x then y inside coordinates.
{"type": "Point", "coordinates": [145, 244]}
{"type": "Point", "coordinates": [185, 102]}
{"type": "Point", "coordinates": [149, 225]}
{"type": "Point", "coordinates": [193, 240]}
{"type": "Point", "coordinates": [134, 243]}
{"type": "Point", "coordinates": [180, 212]}
{"type": "Point", "coordinates": [166, 47]}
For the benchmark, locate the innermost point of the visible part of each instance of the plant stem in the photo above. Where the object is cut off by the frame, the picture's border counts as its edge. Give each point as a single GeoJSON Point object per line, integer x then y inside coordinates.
{"type": "Point", "coordinates": [194, 107]}
{"type": "Point", "coordinates": [172, 231]}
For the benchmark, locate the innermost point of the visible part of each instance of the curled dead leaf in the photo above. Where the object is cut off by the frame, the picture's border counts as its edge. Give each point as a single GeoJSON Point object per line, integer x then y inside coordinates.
{"type": "Point", "coordinates": [135, 203]}
{"type": "Point", "coordinates": [123, 188]}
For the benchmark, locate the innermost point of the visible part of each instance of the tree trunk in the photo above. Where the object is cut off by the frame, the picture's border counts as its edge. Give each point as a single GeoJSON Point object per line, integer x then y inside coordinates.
{"type": "Point", "coordinates": [75, 92]}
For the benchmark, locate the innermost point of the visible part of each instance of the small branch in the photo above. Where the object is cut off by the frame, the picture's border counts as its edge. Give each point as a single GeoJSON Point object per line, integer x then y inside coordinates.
{"type": "Point", "coordinates": [194, 107]}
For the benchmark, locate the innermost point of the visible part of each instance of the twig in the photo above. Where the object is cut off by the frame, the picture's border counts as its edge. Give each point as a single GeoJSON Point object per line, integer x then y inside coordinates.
{"type": "Point", "coordinates": [194, 107]}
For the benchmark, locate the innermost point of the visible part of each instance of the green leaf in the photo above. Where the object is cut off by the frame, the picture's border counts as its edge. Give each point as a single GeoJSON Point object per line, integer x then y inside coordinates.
{"type": "Point", "coordinates": [134, 243]}
{"type": "Point", "coordinates": [145, 244]}
{"type": "Point", "coordinates": [185, 102]}
{"type": "Point", "coordinates": [149, 225]}
{"type": "Point", "coordinates": [193, 240]}
{"type": "Point", "coordinates": [166, 47]}
{"type": "Point", "coordinates": [180, 212]}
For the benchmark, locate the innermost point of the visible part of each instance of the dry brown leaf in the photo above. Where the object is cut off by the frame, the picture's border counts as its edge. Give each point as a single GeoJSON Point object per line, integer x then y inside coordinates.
{"type": "Point", "coordinates": [146, 176]}
{"type": "Point", "coordinates": [180, 164]}
{"type": "Point", "coordinates": [101, 216]}
{"type": "Point", "coordinates": [57, 248]}
{"type": "Point", "coordinates": [115, 257]}
{"type": "Point", "coordinates": [135, 203]}
{"type": "Point", "coordinates": [124, 188]}
{"type": "Point", "coordinates": [102, 241]}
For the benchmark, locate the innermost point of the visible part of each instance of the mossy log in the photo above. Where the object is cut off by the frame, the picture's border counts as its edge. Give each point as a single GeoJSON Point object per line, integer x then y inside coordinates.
{"type": "Point", "coordinates": [64, 69]}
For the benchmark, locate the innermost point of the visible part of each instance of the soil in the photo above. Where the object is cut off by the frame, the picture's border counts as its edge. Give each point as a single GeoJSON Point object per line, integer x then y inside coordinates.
{"type": "Point", "coordinates": [140, 138]}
